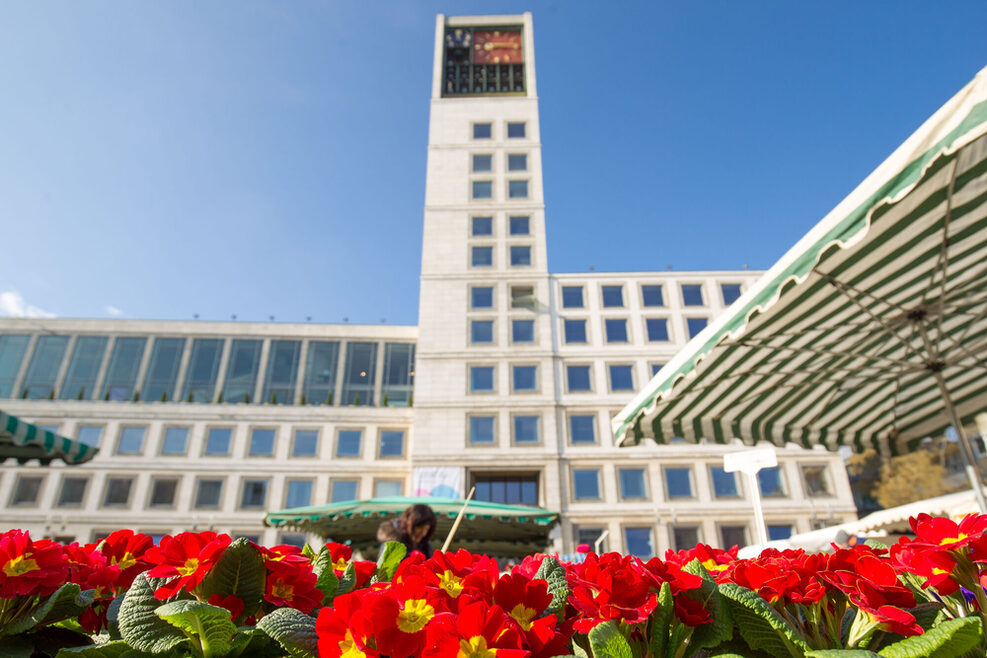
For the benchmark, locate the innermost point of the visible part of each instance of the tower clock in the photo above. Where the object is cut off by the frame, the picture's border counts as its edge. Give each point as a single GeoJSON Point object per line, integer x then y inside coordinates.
{"type": "Point", "coordinates": [484, 61]}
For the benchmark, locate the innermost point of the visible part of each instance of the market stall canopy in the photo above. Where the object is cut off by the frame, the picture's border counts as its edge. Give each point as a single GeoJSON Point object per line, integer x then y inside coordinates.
{"type": "Point", "coordinates": [870, 331]}
{"type": "Point", "coordinates": [23, 441]}
{"type": "Point", "coordinates": [490, 528]}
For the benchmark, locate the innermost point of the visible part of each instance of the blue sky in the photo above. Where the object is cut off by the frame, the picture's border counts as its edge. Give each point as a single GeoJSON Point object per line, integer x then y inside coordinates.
{"type": "Point", "coordinates": [166, 159]}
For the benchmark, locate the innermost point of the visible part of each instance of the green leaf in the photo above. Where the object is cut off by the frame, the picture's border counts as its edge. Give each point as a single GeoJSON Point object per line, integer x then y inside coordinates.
{"type": "Point", "coordinates": [254, 643]}
{"type": "Point", "coordinates": [607, 642]}
{"type": "Point", "coordinates": [209, 623]}
{"type": "Point", "coordinates": [348, 580]}
{"type": "Point", "coordinates": [388, 561]}
{"type": "Point", "coordinates": [139, 626]}
{"type": "Point", "coordinates": [308, 552]}
{"type": "Point", "coordinates": [660, 620]}
{"type": "Point", "coordinates": [760, 625]}
{"type": "Point", "coordinates": [841, 653]}
{"type": "Point", "coordinates": [327, 582]}
{"type": "Point", "coordinates": [293, 630]}
{"type": "Point", "coordinates": [947, 640]}
{"type": "Point", "coordinates": [577, 649]}
{"type": "Point", "coordinates": [240, 571]}
{"type": "Point", "coordinates": [67, 601]}
{"type": "Point", "coordinates": [109, 650]}
{"type": "Point", "coordinates": [17, 647]}
{"type": "Point", "coordinates": [113, 618]}
{"type": "Point", "coordinates": [552, 571]}
{"type": "Point", "coordinates": [721, 628]}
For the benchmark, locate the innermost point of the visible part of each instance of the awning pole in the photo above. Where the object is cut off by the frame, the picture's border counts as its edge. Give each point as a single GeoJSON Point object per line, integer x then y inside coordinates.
{"type": "Point", "coordinates": [971, 462]}
{"type": "Point", "coordinates": [459, 518]}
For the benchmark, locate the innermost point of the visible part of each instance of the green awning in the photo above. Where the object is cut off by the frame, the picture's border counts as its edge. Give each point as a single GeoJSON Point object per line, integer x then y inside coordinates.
{"type": "Point", "coordinates": [869, 330]}
{"type": "Point", "coordinates": [490, 528]}
{"type": "Point", "coordinates": [23, 441]}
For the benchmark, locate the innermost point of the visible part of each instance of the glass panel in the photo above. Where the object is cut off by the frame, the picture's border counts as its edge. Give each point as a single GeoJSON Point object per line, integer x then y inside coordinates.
{"type": "Point", "coordinates": [523, 331]}
{"type": "Point", "coordinates": [678, 482]}
{"type": "Point", "coordinates": [121, 377]}
{"type": "Point", "coordinates": [254, 493]}
{"type": "Point", "coordinates": [218, 441]}
{"type": "Point", "coordinates": [320, 371]}
{"type": "Point", "coordinates": [399, 373]}
{"type": "Point", "coordinates": [655, 367]}
{"type": "Point", "coordinates": [391, 443]}
{"type": "Point", "coordinates": [282, 371]}
{"type": "Point", "coordinates": [515, 130]}
{"type": "Point", "coordinates": [359, 377]}
{"type": "Point", "coordinates": [348, 443]}
{"type": "Point", "coordinates": [481, 256]}
{"type": "Point", "coordinates": [481, 297]}
{"type": "Point", "coordinates": [520, 255]}
{"type": "Point", "coordinates": [73, 491]}
{"type": "Point", "coordinates": [523, 297]}
{"type": "Point", "coordinates": [779, 531]}
{"type": "Point", "coordinates": [482, 189]}
{"type": "Point", "coordinates": [299, 493]}
{"type": "Point", "coordinates": [631, 482]}
{"type": "Point", "coordinates": [517, 162]}
{"type": "Point", "coordinates": [638, 541]}
{"type": "Point", "coordinates": [816, 483]}
{"type": "Point", "coordinates": [162, 371]}
{"type": "Point", "coordinates": [724, 484]}
{"type": "Point", "coordinates": [575, 331]}
{"type": "Point", "coordinates": [163, 493]}
{"type": "Point", "coordinates": [572, 296]}
{"type": "Point", "coordinates": [481, 379]}
{"type": "Point", "coordinates": [482, 162]}
{"type": "Point", "coordinates": [525, 429]}
{"type": "Point", "coordinates": [306, 443]}
{"type": "Point", "coordinates": [657, 329]}
{"type": "Point", "coordinates": [733, 535]}
{"type": "Point", "coordinates": [525, 378]}
{"type": "Point", "coordinates": [261, 442]}
{"type": "Point", "coordinates": [80, 380]}
{"type": "Point", "coordinates": [621, 378]}
{"type": "Point", "coordinates": [520, 226]}
{"type": "Point", "coordinates": [117, 491]}
{"type": "Point", "coordinates": [292, 539]}
{"type": "Point", "coordinates": [771, 482]}
{"type": "Point", "coordinates": [39, 383]}
{"type": "Point", "coordinates": [616, 330]}
{"type": "Point", "coordinates": [651, 296]}
{"type": "Point", "coordinates": [695, 325]}
{"type": "Point", "coordinates": [131, 441]}
{"type": "Point", "coordinates": [613, 296]}
{"type": "Point", "coordinates": [692, 294]}
{"type": "Point", "coordinates": [175, 441]}
{"type": "Point", "coordinates": [481, 429]}
{"type": "Point", "coordinates": [585, 484]}
{"type": "Point", "coordinates": [343, 490]}
{"type": "Point", "coordinates": [510, 490]}
{"type": "Point", "coordinates": [481, 331]}
{"type": "Point", "coordinates": [481, 130]}
{"type": "Point", "coordinates": [90, 434]}
{"type": "Point", "coordinates": [577, 378]}
{"type": "Point", "coordinates": [684, 537]}
{"type": "Point", "coordinates": [208, 492]}
{"type": "Point", "coordinates": [203, 368]}
{"type": "Point", "coordinates": [517, 189]}
{"type": "Point", "coordinates": [482, 226]}
{"type": "Point", "coordinates": [241, 373]}
{"type": "Point", "coordinates": [582, 429]}
{"type": "Point", "coordinates": [589, 536]}
{"type": "Point", "coordinates": [387, 488]}
{"type": "Point", "coordinates": [27, 491]}
{"type": "Point", "coordinates": [12, 350]}
{"type": "Point", "coordinates": [731, 292]}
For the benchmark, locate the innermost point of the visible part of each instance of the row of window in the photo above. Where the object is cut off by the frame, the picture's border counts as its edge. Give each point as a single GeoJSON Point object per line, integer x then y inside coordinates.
{"type": "Point", "coordinates": [483, 190]}
{"type": "Point", "coordinates": [481, 163]}
{"type": "Point", "coordinates": [483, 226]}
{"type": "Point", "coordinates": [652, 295]}
{"type": "Point", "coordinates": [525, 378]}
{"type": "Point", "coordinates": [519, 255]}
{"type": "Point", "coordinates": [109, 368]}
{"type": "Point", "coordinates": [512, 129]}
{"type": "Point", "coordinates": [640, 540]}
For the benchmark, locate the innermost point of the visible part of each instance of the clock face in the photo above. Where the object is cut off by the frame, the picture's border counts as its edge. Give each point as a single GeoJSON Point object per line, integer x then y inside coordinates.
{"type": "Point", "coordinates": [497, 47]}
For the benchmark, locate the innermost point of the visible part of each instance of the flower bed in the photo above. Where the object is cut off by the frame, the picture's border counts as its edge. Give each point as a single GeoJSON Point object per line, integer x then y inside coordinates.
{"type": "Point", "coordinates": [204, 594]}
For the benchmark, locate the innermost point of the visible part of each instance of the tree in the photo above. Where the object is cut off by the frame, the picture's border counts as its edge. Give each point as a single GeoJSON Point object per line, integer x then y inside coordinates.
{"type": "Point", "coordinates": [908, 478]}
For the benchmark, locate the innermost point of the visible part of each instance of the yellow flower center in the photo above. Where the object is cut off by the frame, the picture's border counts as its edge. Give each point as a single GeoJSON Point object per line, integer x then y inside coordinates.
{"type": "Point", "coordinates": [124, 562]}
{"type": "Point", "coordinates": [475, 647]}
{"type": "Point", "coordinates": [523, 616]}
{"type": "Point", "coordinates": [713, 567]}
{"type": "Point", "coordinates": [190, 566]}
{"type": "Point", "coordinates": [339, 565]}
{"type": "Point", "coordinates": [415, 614]}
{"type": "Point", "coordinates": [450, 582]}
{"type": "Point", "coordinates": [283, 590]}
{"type": "Point", "coordinates": [18, 566]}
{"type": "Point", "coordinates": [952, 540]}
{"type": "Point", "coordinates": [348, 647]}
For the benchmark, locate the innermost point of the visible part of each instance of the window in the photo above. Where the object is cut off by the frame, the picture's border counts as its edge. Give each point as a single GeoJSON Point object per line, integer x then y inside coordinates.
{"type": "Point", "coordinates": [254, 494]}
{"type": "Point", "coordinates": [695, 325]}
{"type": "Point", "coordinates": [574, 331]}
{"type": "Point", "coordinates": [621, 378]}
{"type": "Point", "coordinates": [526, 429]}
{"type": "Point", "coordinates": [771, 482]}
{"type": "Point", "coordinates": [778, 531]}
{"type": "Point", "coordinates": [631, 483]}
{"type": "Point", "coordinates": [117, 492]}
{"type": "Point", "coordinates": [585, 484]}
{"type": "Point", "coordinates": [348, 443]}
{"type": "Point", "coordinates": [481, 429]}
{"type": "Point", "coordinates": [692, 294]}
{"type": "Point", "coordinates": [724, 484]}
{"type": "Point", "coordinates": [616, 330]}
{"type": "Point", "coordinates": [577, 378]}
{"type": "Point", "coordinates": [481, 331]}
{"type": "Point", "coordinates": [131, 441]}
{"type": "Point", "coordinates": [678, 482]}
{"type": "Point", "coordinates": [517, 162]}
{"type": "Point", "coordinates": [298, 493]}
{"type": "Point", "coordinates": [292, 539]}
{"type": "Point", "coordinates": [572, 296]}
{"type": "Point", "coordinates": [482, 131]}
{"type": "Point", "coordinates": [481, 379]}
{"type": "Point", "coordinates": [27, 490]}
{"type": "Point", "coordinates": [360, 374]}
{"type": "Point", "coordinates": [482, 162]}
{"type": "Point", "coordinates": [655, 367]}
{"type": "Point", "coordinates": [80, 380]}
{"type": "Point", "coordinates": [816, 480]}
{"type": "Point", "coordinates": [520, 226]}
{"type": "Point", "coordinates": [39, 382]}
{"type": "Point", "coordinates": [589, 535]}
{"type": "Point", "coordinates": [520, 255]}
{"type": "Point", "coordinates": [657, 329]}
{"type": "Point", "coordinates": [343, 490]}
{"type": "Point", "coordinates": [282, 371]}
{"type": "Point", "coordinates": [524, 378]}
{"type": "Point", "coordinates": [306, 443]}
{"type": "Point", "coordinates": [639, 542]}
{"type": "Point", "coordinates": [241, 373]}
{"type": "Point", "coordinates": [90, 434]}
{"type": "Point", "coordinates": [481, 226]}
{"type": "Point", "coordinates": [684, 537]}
{"type": "Point", "coordinates": [392, 443]}
{"type": "Point", "coordinates": [733, 535]}
{"type": "Point", "coordinates": [387, 488]}
{"type": "Point", "coordinates": [515, 489]}
{"type": "Point", "coordinates": [515, 130]}
{"type": "Point", "coordinates": [523, 297]}
{"type": "Point", "coordinates": [207, 493]}
{"type": "Point", "coordinates": [582, 428]}
{"type": "Point", "coordinates": [523, 331]}
{"type": "Point", "coordinates": [175, 441]}
{"type": "Point", "coordinates": [320, 372]}
{"type": "Point", "coordinates": [203, 369]}
{"type": "Point", "coordinates": [730, 292]}
{"type": "Point", "coordinates": [218, 441]}
{"type": "Point", "coordinates": [652, 296]}
{"type": "Point", "coordinates": [162, 372]}
{"type": "Point", "coordinates": [399, 373]}
{"type": "Point", "coordinates": [482, 189]}
{"type": "Point", "coordinates": [12, 349]}
{"type": "Point", "coordinates": [125, 361]}
{"type": "Point", "coordinates": [261, 442]}
{"type": "Point", "coordinates": [481, 297]}
{"type": "Point", "coordinates": [73, 491]}
{"type": "Point", "coordinates": [481, 256]}
{"type": "Point", "coordinates": [613, 296]}
{"type": "Point", "coordinates": [163, 492]}
{"type": "Point", "coordinates": [517, 189]}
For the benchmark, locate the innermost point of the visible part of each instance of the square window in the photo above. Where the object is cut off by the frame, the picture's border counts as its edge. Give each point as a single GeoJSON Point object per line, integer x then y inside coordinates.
{"type": "Point", "coordinates": [730, 292]}
{"type": "Point", "coordinates": [771, 482]}
{"type": "Point", "coordinates": [27, 491]}
{"type": "Point", "coordinates": [482, 162]}
{"type": "Point", "coordinates": [655, 367]}
{"type": "Point", "coordinates": [261, 442]}
{"type": "Point", "coordinates": [695, 325]}
{"type": "Point", "coordinates": [481, 226]}
{"type": "Point", "coordinates": [523, 297]}
{"type": "Point", "coordinates": [724, 484]}
{"type": "Point", "coordinates": [387, 488]}
{"type": "Point", "coordinates": [292, 539]}
{"type": "Point", "coordinates": [590, 535]}
{"type": "Point", "coordinates": [574, 330]}
{"type": "Point", "coordinates": [657, 329]}
{"type": "Point", "coordinates": [523, 331]}
{"type": "Point", "coordinates": [175, 441]}
{"type": "Point", "coordinates": [515, 130]}
{"type": "Point", "coordinates": [348, 443]}
{"type": "Point", "coordinates": [207, 493]}
{"type": "Point", "coordinates": [613, 296]}
{"type": "Point", "coordinates": [218, 441]}
{"type": "Point", "coordinates": [582, 429]}
{"type": "Point", "coordinates": [481, 429]}
{"type": "Point", "coordinates": [733, 535]}
{"type": "Point", "coordinates": [131, 441]}
{"type": "Point", "coordinates": [481, 331]}
{"type": "Point", "coordinates": [517, 189]}
{"type": "Point", "coordinates": [163, 492]}
{"type": "Point", "coordinates": [585, 484]}
{"type": "Point", "coordinates": [517, 162]}
{"type": "Point", "coordinates": [117, 492]}
{"type": "Point", "coordinates": [816, 481]}
{"type": "Point", "coordinates": [520, 225]}
{"type": "Point", "coordinates": [526, 429]}
{"type": "Point", "coordinates": [778, 531]}
{"type": "Point", "coordinates": [254, 494]}
{"type": "Point", "coordinates": [616, 330]}
{"type": "Point", "coordinates": [298, 493]}
{"type": "Point", "coordinates": [577, 378]}
{"type": "Point", "coordinates": [90, 434]}
{"type": "Point", "coordinates": [621, 378]}
{"type": "Point", "coordinates": [306, 443]}
{"type": "Point", "coordinates": [639, 542]}
{"type": "Point", "coordinates": [678, 482]}
{"type": "Point", "coordinates": [631, 483]}
{"type": "Point", "coordinates": [572, 296]}
{"type": "Point", "coordinates": [525, 378]}
{"type": "Point", "coordinates": [684, 537]}
{"type": "Point", "coordinates": [481, 379]}
{"type": "Point", "coordinates": [343, 490]}
{"type": "Point", "coordinates": [692, 294]}
{"type": "Point", "coordinates": [392, 443]}
{"type": "Point", "coordinates": [481, 297]}
{"type": "Point", "coordinates": [482, 189]}
{"type": "Point", "coordinates": [482, 130]}
{"type": "Point", "coordinates": [481, 256]}
{"type": "Point", "coordinates": [73, 491]}
{"type": "Point", "coordinates": [520, 255]}
{"type": "Point", "coordinates": [651, 296]}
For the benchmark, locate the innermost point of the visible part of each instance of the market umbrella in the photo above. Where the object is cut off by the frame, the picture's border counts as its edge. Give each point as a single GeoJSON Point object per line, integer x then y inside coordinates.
{"type": "Point", "coordinates": [23, 441]}
{"type": "Point", "coordinates": [491, 528]}
{"type": "Point", "coordinates": [870, 332]}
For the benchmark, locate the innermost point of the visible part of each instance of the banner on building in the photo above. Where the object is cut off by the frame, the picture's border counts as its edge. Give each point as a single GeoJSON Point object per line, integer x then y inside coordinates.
{"type": "Point", "coordinates": [438, 481]}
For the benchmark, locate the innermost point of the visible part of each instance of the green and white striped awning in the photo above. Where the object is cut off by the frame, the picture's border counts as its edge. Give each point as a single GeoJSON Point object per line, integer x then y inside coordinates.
{"type": "Point", "coordinates": [867, 329]}
{"type": "Point", "coordinates": [23, 441]}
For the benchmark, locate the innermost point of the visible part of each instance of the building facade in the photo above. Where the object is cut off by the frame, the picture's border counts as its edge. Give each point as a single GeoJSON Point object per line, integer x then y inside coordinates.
{"type": "Point", "coordinates": [507, 384]}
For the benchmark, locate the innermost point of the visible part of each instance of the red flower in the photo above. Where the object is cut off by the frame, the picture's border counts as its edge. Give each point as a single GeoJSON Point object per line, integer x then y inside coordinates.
{"type": "Point", "coordinates": [714, 559]}
{"type": "Point", "coordinates": [187, 558]}
{"type": "Point", "coordinates": [90, 569]}
{"type": "Point", "coordinates": [343, 629]}
{"type": "Point", "coordinates": [293, 585]}
{"type": "Point", "coordinates": [231, 602]}
{"type": "Point", "coordinates": [478, 631]}
{"type": "Point", "coordinates": [400, 614]}
{"type": "Point", "coordinates": [667, 572]}
{"type": "Point", "coordinates": [457, 573]}
{"type": "Point", "coordinates": [611, 587]}
{"type": "Point", "coordinates": [29, 568]}
{"type": "Point", "coordinates": [283, 554]}
{"type": "Point", "coordinates": [341, 555]}
{"type": "Point", "coordinates": [690, 612]}
{"type": "Point", "coordinates": [941, 532]}
{"type": "Point", "coordinates": [525, 601]}
{"type": "Point", "coordinates": [126, 549]}
{"type": "Point", "coordinates": [936, 567]}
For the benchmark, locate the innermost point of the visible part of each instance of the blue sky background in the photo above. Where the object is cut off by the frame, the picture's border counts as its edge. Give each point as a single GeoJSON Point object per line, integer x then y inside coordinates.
{"type": "Point", "coordinates": [165, 159]}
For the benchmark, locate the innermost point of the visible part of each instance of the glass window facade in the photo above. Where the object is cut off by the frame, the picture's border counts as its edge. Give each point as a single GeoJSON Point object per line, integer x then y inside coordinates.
{"type": "Point", "coordinates": [320, 371]}
{"type": "Point", "coordinates": [520, 225]}
{"type": "Point", "coordinates": [572, 296]}
{"type": "Point", "coordinates": [203, 369]}
{"type": "Point", "coordinates": [684, 537]}
{"type": "Point", "coordinates": [254, 494]}
{"type": "Point", "coordinates": [306, 443]}
{"type": "Point", "coordinates": [657, 329]}
{"type": "Point", "coordinates": [84, 365]}
{"type": "Point", "coordinates": [218, 441]}
{"type": "Point", "coordinates": [771, 482]}
{"type": "Point", "coordinates": [733, 535]}
{"type": "Point", "coordinates": [163, 492]}
{"type": "Point", "coordinates": [621, 378]}
{"type": "Point", "coordinates": [348, 443]}
{"type": "Point", "coordinates": [27, 491]}
{"type": "Point", "coordinates": [515, 130]}
{"type": "Point", "coordinates": [724, 484]}
{"type": "Point", "coordinates": [678, 482]}
{"type": "Point", "coordinates": [481, 331]}
{"type": "Point", "coordinates": [241, 372]}
{"type": "Point", "coordinates": [481, 297]}
{"type": "Point", "coordinates": [175, 441]}
{"type": "Point", "coordinates": [574, 331]}
{"type": "Point", "coordinates": [208, 493]}
{"type": "Point", "coordinates": [507, 489]}
{"type": "Point", "coordinates": [616, 330]}
{"type": "Point", "coordinates": [695, 325]}
{"type": "Point", "coordinates": [298, 494]}
{"type": "Point", "coordinates": [162, 371]}
{"type": "Point", "coordinates": [613, 296]}
{"type": "Point", "coordinates": [387, 488]}
{"type": "Point", "coordinates": [482, 189]}
{"type": "Point", "coordinates": [481, 429]}
{"type": "Point", "coordinates": [816, 480]}
{"type": "Point", "coordinates": [524, 378]}
{"type": "Point", "coordinates": [391, 443]}
{"type": "Point", "coordinates": [730, 292]}
{"type": "Point", "coordinates": [131, 440]}
{"type": "Point", "coordinates": [90, 434]}
{"type": "Point", "coordinates": [73, 491]}
{"type": "Point", "coordinates": [12, 350]}
{"type": "Point", "coordinates": [651, 295]}
{"type": "Point", "coordinates": [517, 162]}
{"type": "Point", "coordinates": [778, 531]}
{"type": "Point", "coordinates": [39, 383]}
{"type": "Point", "coordinates": [639, 542]}
{"type": "Point", "coordinates": [520, 255]}
{"type": "Point", "coordinates": [481, 379]}
{"type": "Point", "coordinates": [482, 131]}
{"type": "Point", "coordinates": [482, 162]}
{"type": "Point", "coordinates": [582, 428]}
{"type": "Point", "coordinates": [282, 372]}
{"type": "Point", "coordinates": [399, 373]}
{"type": "Point", "coordinates": [578, 378]}
{"type": "Point", "coordinates": [631, 483]}
{"type": "Point", "coordinates": [585, 484]}
{"type": "Point", "coordinates": [117, 493]}
{"type": "Point", "coordinates": [692, 294]}
{"type": "Point", "coordinates": [360, 374]}
{"type": "Point", "coordinates": [517, 189]}
{"type": "Point", "coordinates": [481, 256]}
{"type": "Point", "coordinates": [261, 442]}
{"type": "Point", "coordinates": [125, 361]}
{"type": "Point", "coordinates": [523, 331]}
{"type": "Point", "coordinates": [526, 429]}
{"type": "Point", "coordinates": [482, 226]}
{"type": "Point", "coordinates": [343, 490]}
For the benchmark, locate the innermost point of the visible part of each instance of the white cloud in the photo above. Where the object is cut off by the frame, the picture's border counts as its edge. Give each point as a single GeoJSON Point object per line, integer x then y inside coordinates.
{"type": "Point", "coordinates": [12, 305]}
{"type": "Point", "coordinates": [113, 310]}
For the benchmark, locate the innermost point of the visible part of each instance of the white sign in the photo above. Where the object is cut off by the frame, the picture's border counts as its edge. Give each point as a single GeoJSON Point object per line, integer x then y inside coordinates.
{"type": "Point", "coordinates": [750, 461]}
{"type": "Point", "coordinates": [438, 481]}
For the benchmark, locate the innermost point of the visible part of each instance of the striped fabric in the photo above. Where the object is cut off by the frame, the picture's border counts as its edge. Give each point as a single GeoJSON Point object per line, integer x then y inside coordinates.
{"type": "Point", "coordinates": [23, 441]}
{"type": "Point", "coordinates": [843, 341]}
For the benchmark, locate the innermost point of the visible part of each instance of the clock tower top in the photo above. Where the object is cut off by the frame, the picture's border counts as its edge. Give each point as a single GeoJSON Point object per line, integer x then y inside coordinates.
{"type": "Point", "coordinates": [483, 56]}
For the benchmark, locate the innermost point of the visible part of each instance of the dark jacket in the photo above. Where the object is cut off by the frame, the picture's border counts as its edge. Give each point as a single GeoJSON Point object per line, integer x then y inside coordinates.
{"type": "Point", "coordinates": [392, 531]}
